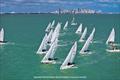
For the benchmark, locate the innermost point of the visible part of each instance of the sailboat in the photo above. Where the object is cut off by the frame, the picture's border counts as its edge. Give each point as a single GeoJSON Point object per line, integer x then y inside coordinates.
{"type": "Point", "coordinates": [49, 57]}
{"type": "Point", "coordinates": [56, 33]}
{"type": "Point", "coordinates": [65, 26]}
{"type": "Point", "coordinates": [53, 23]}
{"type": "Point", "coordinates": [73, 22]}
{"type": "Point", "coordinates": [113, 48]}
{"type": "Point", "coordinates": [83, 35]}
{"type": "Point", "coordinates": [79, 30]}
{"type": "Point", "coordinates": [111, 42]}
{"type": "Point", "coordinates": [43, 46]}
{"type": "Point", "coordinates": [49, 37]}
{"type": "Point", "coordinates": [111, 37]}
{"type": "Point", "coordinates": [2, 37]}
{"type": "Point", "coordinates": [85, 50]}
{"type": "Point", "coordinates": [48, 27]}
{"type": "Point", "coordinates": [68, 63]}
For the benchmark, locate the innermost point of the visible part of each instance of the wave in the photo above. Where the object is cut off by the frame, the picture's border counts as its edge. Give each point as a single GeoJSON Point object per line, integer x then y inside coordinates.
{"type": "Point", "coordinates": [97, 42]}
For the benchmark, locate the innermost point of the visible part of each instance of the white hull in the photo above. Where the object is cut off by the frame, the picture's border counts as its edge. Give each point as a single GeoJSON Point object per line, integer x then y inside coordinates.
{"type": "Point", "coordinates": [81, 40]}
{"type": "Point", "coordinates": [73, 23]}
{"type": "Point", "coordinates": [117, 50]}
{"type": "Point", "coordinates": [85, 53]}
{"type": "Point", "coordinates": [48, 62]}
{"type": "Point", "coordinates": [2, 43]}
{"type": "Point", "coordinates": [41, 52]}
{"type": "Point", "coordinates": [66, 67]}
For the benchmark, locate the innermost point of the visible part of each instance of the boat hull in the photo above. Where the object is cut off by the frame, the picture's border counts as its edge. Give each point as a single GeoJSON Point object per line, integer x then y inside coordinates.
{"type": "Point", "coordinates": [3, 42]}
{"type": "Point", "coordinates": [117, 50]}
{"type": "Point", "coordinates": [48, 62]}
{"type": "Point", "coordinates": [41, 52]}
{"type": "Point", "coordinates": [73, 24]}
{"type": "Point", "coordinates": [81, 40]}
{"type": "Point", "coordinates": [86, 52]}
{"type": "Point", "coordinates": [66, 67]}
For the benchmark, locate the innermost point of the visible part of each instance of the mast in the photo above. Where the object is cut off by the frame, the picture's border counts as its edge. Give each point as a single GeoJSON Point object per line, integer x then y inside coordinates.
{"type": "Point", "coordinates": [56, 33]}
{"type": "Point", "coordinates": [83, 34]}
{"type": "Point", "coordinates": [2, 35]}
{"type": "Point", "coordinates": [53, 23]}
{"type": "Point", "coordinates": [69, 59]}
{"type": "Point", "coordinates": [50, 54]}
{"type": "Point", "coordinates": [79, 30]}
{"type": "Point", "coordinates": [111, 37]}
{"type": "Point", "coordinates": [48, 28]}
{"type": "Point", "coordinates": [49, 36]}
{"type": "Point", "coordinates": [87, 43]}
{"type": "Point", "coordinates": [43, 45]}
{"type": "Point", "coordinates": [66, 24]}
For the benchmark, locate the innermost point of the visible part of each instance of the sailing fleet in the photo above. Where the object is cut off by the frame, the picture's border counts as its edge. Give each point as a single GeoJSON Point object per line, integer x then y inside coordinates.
{"type": "Point", "coordinates": [49, 44]}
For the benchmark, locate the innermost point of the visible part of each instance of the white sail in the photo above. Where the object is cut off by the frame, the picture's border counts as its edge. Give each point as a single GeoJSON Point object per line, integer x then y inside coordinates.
{"type": "Point", "coordinates": [49, 57]}
{"type": "Point", "coordinates": [43, 45]}
{"type": "Point", "coordinates": [83, 35]}
{"type": "Point", "coordinates": [2, 35]}
{"type": "Point", "coordinates": [53, 23]}
{"type": "Point", "coordinates": [87, 43]}
{"type": "Point", "coordinates": [48, 27]}
{"type": "Point", "coordinates": [49, 36]}
{"type": "Point", "coordinates": [73, 22]}
{"type": "Point", "coordinates": [66, 24]}
{"type": "Point", "coordinates": [79, 30]}
{"type": "Point", "coordinates": [56, 33]}
{"type": "Point", "coordinates": [69, 59]}
{"type": "Point", "coordinates": [111, 37]}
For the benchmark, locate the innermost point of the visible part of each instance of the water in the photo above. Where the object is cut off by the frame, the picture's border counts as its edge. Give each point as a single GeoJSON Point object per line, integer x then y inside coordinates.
{"type": "Point", "coordinates": [24, 33]}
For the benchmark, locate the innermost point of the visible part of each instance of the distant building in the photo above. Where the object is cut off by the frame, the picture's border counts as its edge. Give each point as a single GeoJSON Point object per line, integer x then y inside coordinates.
{"type": "Point", "coordinates": [77, 11]}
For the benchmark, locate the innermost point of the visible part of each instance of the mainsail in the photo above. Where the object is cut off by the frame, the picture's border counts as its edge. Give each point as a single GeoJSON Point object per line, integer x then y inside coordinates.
{"type": "Point", "coordinates": [83, 35]}
{"type": "Point", "coordinates": [48, 27]}
{"type": "Point", "coordinates": [49, 36]}
{"type": "Point", "coordinates": [79, 30]}
{"type": "Point", "coordinates": [49, 57]}
{"type": "Point", "coordinates": [56, 33]}
{"type": "Point", "coordinates": [111, 37]}
{"type": "Point", "coordinates": [53, 23]}
{"type": "Point", "coordinates": [73, 22]}
{"type": "Point", "coordinates": [69, 59]}
{"type": "Point", "coordinates": [66, 24]}
{"type": "Point", "coordinates": [2, 35]}
{"type": "Point", "coordinates": [87, 43]}
{"type": "Point", "coordinates": [43, 46]}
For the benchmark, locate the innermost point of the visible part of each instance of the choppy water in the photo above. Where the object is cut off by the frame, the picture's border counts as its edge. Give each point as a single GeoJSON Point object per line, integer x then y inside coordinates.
{"type": "Point", "coordinates": [24, 33]}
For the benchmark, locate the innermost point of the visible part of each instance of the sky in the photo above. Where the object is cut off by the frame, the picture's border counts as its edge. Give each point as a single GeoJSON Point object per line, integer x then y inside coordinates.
{"type": "Point", "coordinates": [53, 5]}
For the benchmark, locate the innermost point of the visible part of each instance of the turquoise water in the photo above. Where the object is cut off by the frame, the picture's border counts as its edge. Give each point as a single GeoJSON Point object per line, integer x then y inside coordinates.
{"type": "Point", "coordinates": [24, 33]}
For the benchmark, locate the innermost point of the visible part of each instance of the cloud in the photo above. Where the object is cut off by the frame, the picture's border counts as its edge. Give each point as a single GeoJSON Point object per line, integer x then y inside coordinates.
{"type": "Point", "coordinates": [2, 4]}
{"type": "Point", "coordinates": [109, 1]}
{"type": "Point", "coordinates": [55, 4]}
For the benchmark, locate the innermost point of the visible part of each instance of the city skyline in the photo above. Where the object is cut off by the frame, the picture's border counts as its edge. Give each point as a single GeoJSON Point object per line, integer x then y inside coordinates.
{"type": "Point", "coordinates": [21, 6]}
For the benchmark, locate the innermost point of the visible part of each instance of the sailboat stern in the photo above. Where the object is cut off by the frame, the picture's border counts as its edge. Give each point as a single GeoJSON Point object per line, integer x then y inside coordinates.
{"type": "Point", "coordinates": [49, 61]}
{"type": "Point", "coordinates": [67, 66]}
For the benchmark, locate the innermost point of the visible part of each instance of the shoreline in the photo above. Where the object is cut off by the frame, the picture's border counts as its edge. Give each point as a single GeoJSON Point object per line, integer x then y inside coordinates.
{"type": "Point", "coordinates": [58, 14]}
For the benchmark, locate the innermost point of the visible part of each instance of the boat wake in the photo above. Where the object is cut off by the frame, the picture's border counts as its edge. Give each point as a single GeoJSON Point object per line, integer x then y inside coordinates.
{"type": "Point", "coordinates": [8, 43]}
{"type": "Point", "coordinates": [58, 62]}
{"type": "Point", "coordinates": [95, 61]}
{"type": "Point", "coordinates": [97, 42]}
{"type": "Point", "coordinates": [62, 34]}
{"type": "Point", "coordinates": [74, 67]}
{"type": "Point", "coordinates": [64, 43]}
{"type": "Point", "coordinates": [87, 53]}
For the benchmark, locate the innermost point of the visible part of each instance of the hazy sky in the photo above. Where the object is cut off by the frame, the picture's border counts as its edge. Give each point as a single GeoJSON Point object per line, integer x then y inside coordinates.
{"type": "Point", "coordinates": [52, 5]}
